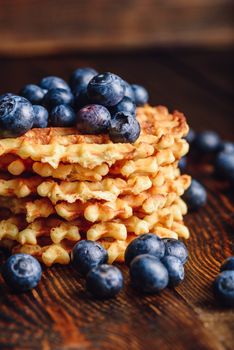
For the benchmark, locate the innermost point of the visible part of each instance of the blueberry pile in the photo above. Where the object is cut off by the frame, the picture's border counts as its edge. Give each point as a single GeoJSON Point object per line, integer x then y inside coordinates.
{"type": "Point", "coordinates": [154, 264]}
{"type": "Point", "coordinates": [224, 283]}
{"type": "Point", "coordinates": [94, 103]}
{"type": "Point", "coordinates": [222, 155]}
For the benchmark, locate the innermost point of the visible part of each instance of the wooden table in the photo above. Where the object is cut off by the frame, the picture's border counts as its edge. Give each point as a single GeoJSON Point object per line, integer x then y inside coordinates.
{"type": "Point", "coordinates": [59, 314]}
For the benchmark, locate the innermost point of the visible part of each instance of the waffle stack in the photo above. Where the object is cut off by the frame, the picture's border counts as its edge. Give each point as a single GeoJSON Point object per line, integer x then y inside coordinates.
{"type": "Point", "coordinates": [57, 187]}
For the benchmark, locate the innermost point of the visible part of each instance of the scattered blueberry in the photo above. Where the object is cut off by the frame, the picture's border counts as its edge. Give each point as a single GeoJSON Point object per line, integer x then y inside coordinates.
{"type": "Point", "coordinates": [145, 244]}
{"type": "Point", "coordinates": [87, 255]}
{"type": "Point", "coordinates": [62, 116]}
{"type": "Point", "coordinates": [174, 247]}
{"type": "Point", "coordinates": [224, 165]}
{"type": "Point", "coordinates": [104, 281]}
{"type": "Point", "coordinates": [175, 269]}
{"type": "Point", "coordinates": [33, 93]}
{"type": "Point", "coordinates": [93, 119]}
{"type": "Point", "coordinates": [226, 146]}
{"type": "Point", "coordinates": [40, 117]}
{"type": "Point", "coordinates": [129, 91]}
{"type": "Point", "coordinates": [190, 136]}
{"type": "Point", "coordinates": [207, 141]}
{"type": "Point", "coordinates": [124, 128]}
{"type": "Point", "coordinates": [141, 95]}
{"type": "Point", "coordinates": [16, 116]}
{"type": "Point", "coordinates": [228, 264]}
{"type": "Point", "coordinates": [21, 272]}
{"type": "Point", "coordinates": [224, 287]}
{"type": "Point", "coordinates": [53, 82]}
{"type": "Point", "coordinates": [55, 97]}
{"type": "Point", "coordinates": [148, 274]}
{"type": "Point", "coordinates": [183, 163]}
{"type": "Point", "coordinates": [106, 89]}
{"type": "Point", "coordinates": [82, 76]}
{"type": "Point", "coordinates": [125, 105]}
{"type": "Point", "coordinates": [195, 196]}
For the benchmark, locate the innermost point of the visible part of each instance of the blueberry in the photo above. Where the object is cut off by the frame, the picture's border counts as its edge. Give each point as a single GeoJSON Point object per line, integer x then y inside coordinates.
{"type": "Point", "coordinates": [129, 91]}
{"type": "Point", "coordinates": [33, 93]}
{"type": "Point", "coordinates": [104, 281]}
{"type": "Point", "coordinates": [190, 136]}
{"type": "Point", "coordinates": [62, 116]}
{"type": "Point", "coordinates": [228, 264]}
{"type": "Point", "coordinates": [183, 163]}
{"type": "Point", "coordinates": [195, 196]}
{"type": "Point", "coordinates": [93, 119]}
{"type": "Point", "coordinates": [53, 82]}
{"type": "Point", "coordinates": [145, 244]}
{"type": "Point", "coordinates": [226, 146]}
{"type": "Point", "coordinates": [81, 98]}
{"type": "Point", "coordinates": [6, 95]}
{"type": "Point", "coordinates": [207, 141]}
{"type": "Point", "coordinates": [40, 117]}
{"type": "Point", "coordinates": [55, 97]}
{"type": "Point", "coordinates": [224, 165]}
{"type": "Point", "coordinates": [174, 268]}
{"type": "Point", "coordinates": [125, 105]}
{"type": "Point", "coordinates": [82, 76]}
{"type": "Point", "coordinates": [88, 254]}
{"type": "Point", "coordinates": [21, 272]}
{"type": "Point", "coordinates": [224, 287]}
{"type": "Point", "coordinates": [124, 128]}
{"type": "Point", "coordinates": [106, 89]}
{"type": "Point", "coordinates": [16, 116]}
{"type": "Point", "coordinates": [174, 247]}
{"type": "Point", "coordinates": [141, 95]}
{"type": "Point", "coordinates": [148, 274]}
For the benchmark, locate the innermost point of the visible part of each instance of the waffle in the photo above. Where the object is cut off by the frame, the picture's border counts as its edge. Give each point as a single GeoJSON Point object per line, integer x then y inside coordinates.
{"type": "Point", "coordinates": [117, 228]}
{"type": "Point", "coordinates": [146, 202]}
{"type": "Point", "coordinates": [73, 172]}
{"type": "Point", "coordinates": [57, 187]}
{"type": "Point", "coordinates": [52, 235]}
{"type": "Point", "coordinates": [160, 129]}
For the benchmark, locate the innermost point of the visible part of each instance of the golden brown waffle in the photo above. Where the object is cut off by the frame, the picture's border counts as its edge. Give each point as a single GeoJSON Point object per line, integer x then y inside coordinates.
{"type": "Point", "coordinates": [107, 189]}
{"type": "Point", "coordinates": [66, 197]}
{"type": "Point", "coordinates": [160, 129]}
{"type": "Point", "coordinates": [43, 208]}
{"type": "Point", "coordinates": [92, 211]}
{"type": "Point", "coordinates": [19, 187]}
{"type": "Point", "coordinates": [72, 172]}
{"type": "Point", "coordinates": [117, 229]}
{"type": "Point", "coordinates": [55, 247]}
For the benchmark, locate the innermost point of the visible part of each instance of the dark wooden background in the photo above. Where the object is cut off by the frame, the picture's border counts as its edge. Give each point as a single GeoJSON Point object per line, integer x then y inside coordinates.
{"type": "Point", "coordinates": [59, 314]}
{"type": "Point", "coordinates": [31, 27]}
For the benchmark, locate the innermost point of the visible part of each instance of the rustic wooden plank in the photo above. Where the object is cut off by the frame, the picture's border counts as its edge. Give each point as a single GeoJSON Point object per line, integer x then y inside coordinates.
{"type": "Point", "coordinates": [37, 27]}
{"type": "Point", "coordinates": [59, 314]}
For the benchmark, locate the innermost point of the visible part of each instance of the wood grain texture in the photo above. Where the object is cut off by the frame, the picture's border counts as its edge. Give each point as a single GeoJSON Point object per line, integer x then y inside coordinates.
{"type": "Point", "coordinates": [59, 314]}
{"type": "Point", "coordinates": [31, 27]}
